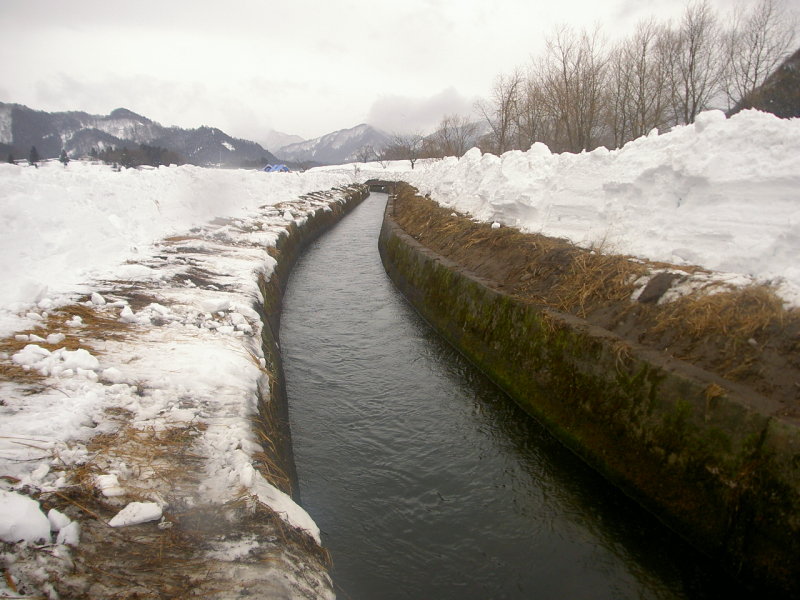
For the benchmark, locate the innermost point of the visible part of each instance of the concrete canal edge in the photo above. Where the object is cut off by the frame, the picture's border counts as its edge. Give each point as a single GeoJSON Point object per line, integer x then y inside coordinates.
{"type": "Point", "coordinates": [272, 423]}
{"type": "Point", "coordinates": [715, 467]}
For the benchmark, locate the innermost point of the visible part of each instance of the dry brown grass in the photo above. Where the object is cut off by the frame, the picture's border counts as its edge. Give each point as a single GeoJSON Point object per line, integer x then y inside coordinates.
{"type": "Point", "coordinates": [555, 271]}
{"type": "Point", "coordinates": [181, 238]}
{"type": "Point", "coordinates": [99, 324]}
{"type": "Point", "coordinates": [724, 331]}
{"type": "Point", "coordinates": [739, 314]}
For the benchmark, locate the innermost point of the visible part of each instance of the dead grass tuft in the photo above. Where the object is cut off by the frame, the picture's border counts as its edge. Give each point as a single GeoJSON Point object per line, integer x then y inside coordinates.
{"type": "Point", "coordinates": [98, 323]}
{"type": "Point", "coordinates": [738, 314]}
{"type": "Point", "coordinates": [151, 453]}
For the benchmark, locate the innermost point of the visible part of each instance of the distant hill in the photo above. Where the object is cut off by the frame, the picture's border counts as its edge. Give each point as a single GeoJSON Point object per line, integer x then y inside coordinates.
{"type": "Point", "coordinates": [334, 148]}
{"type": "Point", "coordinates": [79, 132]}
{"type": "Point", "coordinates": [275, 140]}
{"type": "Point", "coordinates": [780, 93]}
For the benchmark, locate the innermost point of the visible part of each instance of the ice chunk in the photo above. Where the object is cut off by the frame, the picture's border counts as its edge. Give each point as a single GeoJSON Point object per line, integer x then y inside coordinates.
{"type": "Point", "coordinates": [70, 535]}
{"type": "Point", "coordinates": [212, 305]}
{"type": "Point", "coordinates": [98, 299]}
{"type": "Point", "coordinates": [136, 513]}
{"type": "Point", "coordinates": [21, 518]}
{"type": "Point", "coordinates": [58, 520]}
{"type": "Point", "coordinates": [56, 338]}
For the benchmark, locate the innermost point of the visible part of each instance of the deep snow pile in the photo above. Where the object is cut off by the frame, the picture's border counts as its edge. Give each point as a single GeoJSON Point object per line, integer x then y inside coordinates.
{"type": "Point", "coordinates": [63, 227]}
{"type": "Point", "coordinates": [723, 194]}
{"type": "Point", "coordinates": [187, 359]}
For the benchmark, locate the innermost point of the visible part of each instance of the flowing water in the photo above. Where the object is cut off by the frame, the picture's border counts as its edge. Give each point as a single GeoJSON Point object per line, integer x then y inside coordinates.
{"type": "Point", "coordinates": [425, 479]}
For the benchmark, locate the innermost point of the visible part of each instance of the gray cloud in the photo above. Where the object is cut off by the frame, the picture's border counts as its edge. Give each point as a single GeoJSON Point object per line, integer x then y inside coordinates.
{"type": "Point", "coordinates": [307, 67]}
{"type": "Point", "coordinates": [404, 113]}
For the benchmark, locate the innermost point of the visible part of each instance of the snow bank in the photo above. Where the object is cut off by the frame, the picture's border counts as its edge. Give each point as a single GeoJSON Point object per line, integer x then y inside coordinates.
{"type": "Point", "coordinates": [65, 226]}
{"type": "Point", "coordinates": [722, 193]}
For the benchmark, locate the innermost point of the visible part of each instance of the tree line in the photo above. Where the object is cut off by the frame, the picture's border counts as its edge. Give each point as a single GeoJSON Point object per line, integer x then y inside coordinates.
{"type": "Point", "coordinates": [153, 156]}
{"type": "Point", "coordinates": [583, 92]}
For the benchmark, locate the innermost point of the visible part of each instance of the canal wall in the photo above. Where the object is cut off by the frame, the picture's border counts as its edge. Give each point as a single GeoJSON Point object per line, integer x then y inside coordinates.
{"type": "Point", "coordinates": [705, 455]}
{"type": "Point", "coordinates": [272, 423]}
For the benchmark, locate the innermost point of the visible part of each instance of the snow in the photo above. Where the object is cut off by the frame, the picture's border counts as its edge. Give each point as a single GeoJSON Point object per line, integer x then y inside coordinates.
{"type": "Point", "coordinates": [136, 513]}
{"type": "Point", "coordinates": [723, 194]}
{"type": "Point", "coordinates": [62, 227]}
{"type": "Point", "coordinates": [21, 518]}
{"type": "Point", "coordinates": [192, 356]}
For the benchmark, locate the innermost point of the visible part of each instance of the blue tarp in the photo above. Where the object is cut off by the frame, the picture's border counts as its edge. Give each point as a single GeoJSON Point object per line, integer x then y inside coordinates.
{"type": "Point", "coordinates": [276, 169]}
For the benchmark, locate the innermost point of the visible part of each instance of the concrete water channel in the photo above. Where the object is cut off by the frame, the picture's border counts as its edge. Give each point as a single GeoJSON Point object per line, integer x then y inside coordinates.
{"type": "Point", "coordinates": [425, 479]}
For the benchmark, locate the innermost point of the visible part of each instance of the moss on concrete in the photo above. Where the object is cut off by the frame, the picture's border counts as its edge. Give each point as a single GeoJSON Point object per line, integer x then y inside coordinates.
{"type": "Point", "coordinates": [709, 464]}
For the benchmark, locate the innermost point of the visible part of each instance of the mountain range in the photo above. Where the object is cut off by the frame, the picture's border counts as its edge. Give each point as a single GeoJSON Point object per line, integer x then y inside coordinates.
{"type": "Point", "coordinates": [334, 148]}
{"type": "Point", "coordinates": [78, 133]}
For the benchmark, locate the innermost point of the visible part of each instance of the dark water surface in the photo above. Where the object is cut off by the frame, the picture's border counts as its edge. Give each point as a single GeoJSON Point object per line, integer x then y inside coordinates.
{"type": "Point", "coordinates": [429, 482]}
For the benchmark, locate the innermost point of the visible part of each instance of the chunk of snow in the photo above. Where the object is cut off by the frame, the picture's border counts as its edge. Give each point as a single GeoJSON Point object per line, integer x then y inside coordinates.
{"type": "Point", "coordinates": [70, 535]}
{"type": "Point", "coordinates": [79, 359]}
{"type": "Point", "coordinates": [56, 338]}
{"type": "Point", "coordinates": [109, 485]}
{"type": "Point", "coordinates": [136, 513]}
{"type": "Point", "coordinates": [113, 375]}
{"type": "Point", "coordinates": [283, 505]}
{"type": "Point", "coordinates": [98, 299]}
{"type": "Point", "coordinates": [212, 305]}
{"type": "Point", "coordinates": [127, 316]}
{"type": "Point", "coordinates": [58, 520]}
{"type": "Point", "coordinates": [21, 518]}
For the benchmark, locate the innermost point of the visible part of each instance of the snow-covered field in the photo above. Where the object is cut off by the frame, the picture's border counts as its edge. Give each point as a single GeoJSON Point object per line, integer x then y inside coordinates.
{"type": "Point", "coordinates": [188, 359]}
{"type": "Point", "coordinates": [723, 194]}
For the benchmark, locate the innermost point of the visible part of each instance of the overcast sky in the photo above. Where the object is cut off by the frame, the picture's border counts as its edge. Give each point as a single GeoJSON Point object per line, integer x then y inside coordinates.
{"type": "Point", "coordinates": [305, 67]}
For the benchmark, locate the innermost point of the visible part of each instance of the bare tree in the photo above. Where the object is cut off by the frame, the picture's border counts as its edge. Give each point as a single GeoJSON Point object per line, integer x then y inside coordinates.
{"type": "Point", "coordinates": [534, 120]}
{"type": "Point", "coordinates": [574, 74]}
{"type": "Point", "coordinates": [500, 111]}
{"type": "Point", "coordinates": [756, 42]}
{"type": "Point", "coordinates": [405, 146]}
{"type": "Point", "coordinates": [638, 98]}
{"type": "Point", "coordinates": [693, 56]}
{"type": "Point", "coordinates": [383, 158]}
{"type": "Point", "coordinates": [365, 153]}
{"type": "Point", "coordinates": [454, 135]}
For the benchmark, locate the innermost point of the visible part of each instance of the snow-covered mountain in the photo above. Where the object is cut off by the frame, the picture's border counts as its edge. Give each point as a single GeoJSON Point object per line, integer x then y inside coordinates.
{"type": "Point", "coordinates": [334, 148]}
{"type": "Point", "coordinates": [275, 140]}
{"type": "Point", "coordinates": [79, 132]}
